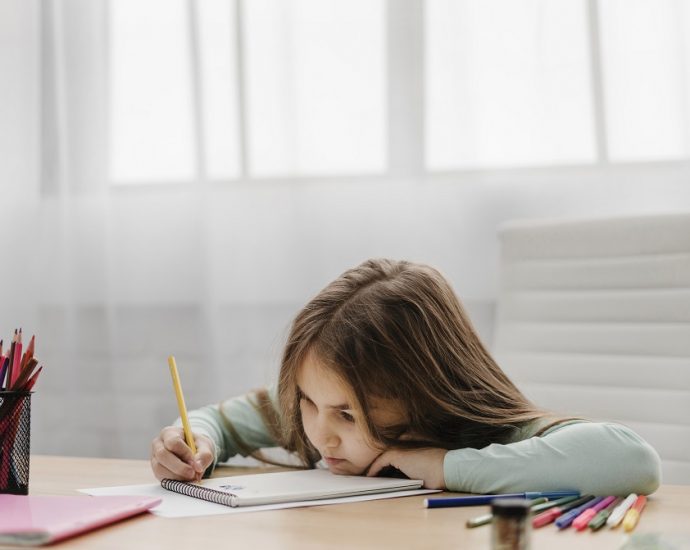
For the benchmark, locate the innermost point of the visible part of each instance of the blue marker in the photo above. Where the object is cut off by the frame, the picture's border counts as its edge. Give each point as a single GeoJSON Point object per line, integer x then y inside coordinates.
{"type": "Point", "coordinates": [479, 500]}
{"type": "Point", "coordinates": [566, 519]}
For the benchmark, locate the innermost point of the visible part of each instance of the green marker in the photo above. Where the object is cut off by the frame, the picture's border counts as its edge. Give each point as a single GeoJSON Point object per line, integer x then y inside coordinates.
{"type": "Point", "coordinates": [551, 504]}
{"type": "Point", "coordinates": [486, 518]}
{"type": "Point", "coordinates": [599, 520]}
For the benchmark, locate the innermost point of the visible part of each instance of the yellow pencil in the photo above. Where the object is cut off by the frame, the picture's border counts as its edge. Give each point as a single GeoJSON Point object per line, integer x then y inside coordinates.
{"type": "Point", "coordinates": [180, 404]}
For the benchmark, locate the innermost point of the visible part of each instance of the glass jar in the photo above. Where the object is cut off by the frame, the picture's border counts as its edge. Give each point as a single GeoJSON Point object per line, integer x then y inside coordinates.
{"type": "Point", "coordinates": [510, 527]}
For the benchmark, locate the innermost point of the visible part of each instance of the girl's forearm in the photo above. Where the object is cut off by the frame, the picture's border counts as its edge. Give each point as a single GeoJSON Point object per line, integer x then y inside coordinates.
{"type": "Point", "coordinates": [597, 458]}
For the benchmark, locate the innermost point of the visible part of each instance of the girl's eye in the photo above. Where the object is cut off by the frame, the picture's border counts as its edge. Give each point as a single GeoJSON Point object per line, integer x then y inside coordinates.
{"type": "Point", "coordinates": [305, 400]}
{"type": "Point", "coordinates": [347, 416]}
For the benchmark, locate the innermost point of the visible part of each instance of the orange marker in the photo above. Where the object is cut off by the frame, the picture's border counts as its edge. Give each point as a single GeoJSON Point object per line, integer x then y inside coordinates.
{"type": "Point", "coordinates": [632, 516]}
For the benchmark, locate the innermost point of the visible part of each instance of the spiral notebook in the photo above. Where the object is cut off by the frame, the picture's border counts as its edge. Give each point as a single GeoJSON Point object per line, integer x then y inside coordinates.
{"type": "Point", "coordinates": [281, 487]}
{"type": "Point", "coordinates": [38, 520]}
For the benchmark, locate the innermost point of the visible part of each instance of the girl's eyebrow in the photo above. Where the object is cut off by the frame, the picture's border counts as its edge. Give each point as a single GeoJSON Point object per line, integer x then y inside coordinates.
{"type": "Point", "coordinates": [342, 407]}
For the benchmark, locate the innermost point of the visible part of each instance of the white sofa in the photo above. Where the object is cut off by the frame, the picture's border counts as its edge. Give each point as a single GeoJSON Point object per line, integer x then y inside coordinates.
{"type": "Point", "coordinates": [593, 319]}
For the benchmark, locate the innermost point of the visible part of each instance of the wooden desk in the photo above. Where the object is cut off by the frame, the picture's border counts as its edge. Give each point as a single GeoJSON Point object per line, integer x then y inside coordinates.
{"type": "Point", "coordinates": [393, 523]}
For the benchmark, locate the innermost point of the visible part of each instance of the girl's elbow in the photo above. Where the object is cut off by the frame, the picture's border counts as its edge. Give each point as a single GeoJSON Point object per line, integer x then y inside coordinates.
{"type": "Point", "coordinates": [648, 471]}
{"type": "Point", "coordinates": [638, 462]}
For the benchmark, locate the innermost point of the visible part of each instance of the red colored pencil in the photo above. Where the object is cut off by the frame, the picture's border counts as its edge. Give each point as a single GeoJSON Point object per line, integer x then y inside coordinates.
{"type": "Point", "coordinates": [30, 383]}
{"type": "Point", "coordinates": [25, 375]}
{"type": "Point", "coordinates": [29, 353]}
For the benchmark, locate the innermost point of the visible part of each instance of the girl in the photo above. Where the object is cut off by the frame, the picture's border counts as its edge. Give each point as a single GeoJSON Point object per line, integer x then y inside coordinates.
{"type": "Point", "coordinates": [382, 369]}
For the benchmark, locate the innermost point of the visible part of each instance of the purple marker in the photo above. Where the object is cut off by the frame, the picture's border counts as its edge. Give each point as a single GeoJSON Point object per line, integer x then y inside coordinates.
{"type": "Point", "coordinates": [566, 519]}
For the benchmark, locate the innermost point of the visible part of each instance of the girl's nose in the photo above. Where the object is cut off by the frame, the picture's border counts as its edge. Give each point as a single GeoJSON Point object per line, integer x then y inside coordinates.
{"type": "Point", "coordinates": [328, 436]}
{"type": "Point", "coordinates": [332, 440]}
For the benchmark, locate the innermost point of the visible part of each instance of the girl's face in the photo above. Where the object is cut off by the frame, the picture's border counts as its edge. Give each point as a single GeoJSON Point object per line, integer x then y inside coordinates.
{"type": "Point", "coordinates": [332, 425]}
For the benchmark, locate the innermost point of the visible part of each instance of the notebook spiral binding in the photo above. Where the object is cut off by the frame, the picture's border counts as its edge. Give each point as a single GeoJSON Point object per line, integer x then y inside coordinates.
{"type": "Point", "coordinates": [196, 491]}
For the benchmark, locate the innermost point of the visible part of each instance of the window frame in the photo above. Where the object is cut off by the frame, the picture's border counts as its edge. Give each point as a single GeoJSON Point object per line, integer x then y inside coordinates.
{"type": "Point", "coordinates": [405, 116]}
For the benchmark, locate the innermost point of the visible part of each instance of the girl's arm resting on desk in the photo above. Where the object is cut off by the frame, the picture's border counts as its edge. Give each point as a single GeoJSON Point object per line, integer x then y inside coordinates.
{"type": "Point", "coordinates": [597, 458]}
{"type": "Point", "coordinates": [425, 464]}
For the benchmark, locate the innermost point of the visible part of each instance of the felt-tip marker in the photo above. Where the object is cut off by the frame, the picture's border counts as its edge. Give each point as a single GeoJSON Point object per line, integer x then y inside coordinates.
{"type": "Point", "coordinates": [633, 515]}
{"type": "Point", "coordinates": [566, 519]}
{"type": "Point", "coordinates": [599, 520]}
{"type": "Point", "coordinates": [551, 514]}
{"type": "Point", "coordinates": [617, 515]}
{"type": "Point", "coordinates": [585, 517]}
{"type": "Point", "coordinates": [479, 500]}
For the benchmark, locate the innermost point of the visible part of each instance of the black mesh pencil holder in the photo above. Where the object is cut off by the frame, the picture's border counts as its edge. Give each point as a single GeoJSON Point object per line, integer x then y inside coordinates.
{"type": "Point", "coordinates": [15, 431]}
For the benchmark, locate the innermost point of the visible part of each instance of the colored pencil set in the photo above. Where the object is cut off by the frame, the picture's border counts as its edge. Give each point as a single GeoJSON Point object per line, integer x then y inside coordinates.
{"type": "Point", "coordinates": [581, 512]}
{"type": "Point", "coordinates": [18, 372]}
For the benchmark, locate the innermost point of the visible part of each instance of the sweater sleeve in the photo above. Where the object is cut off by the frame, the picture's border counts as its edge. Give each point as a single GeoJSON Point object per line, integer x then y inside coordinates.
{"type": "Point", "coordinates": [594, 458]}
{"type": "Point", "coordinates": [246, 420]}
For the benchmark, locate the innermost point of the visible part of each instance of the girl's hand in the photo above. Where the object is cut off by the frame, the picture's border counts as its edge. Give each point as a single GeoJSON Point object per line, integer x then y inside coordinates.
{"type": "Point", "coordinates": [171, 457]}
{"type": "Point", "coordinates": [424, 464]}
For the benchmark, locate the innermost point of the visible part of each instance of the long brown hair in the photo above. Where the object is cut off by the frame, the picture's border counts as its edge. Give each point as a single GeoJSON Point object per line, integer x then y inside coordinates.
{"type": "Point", "coordinates": [396, 330]}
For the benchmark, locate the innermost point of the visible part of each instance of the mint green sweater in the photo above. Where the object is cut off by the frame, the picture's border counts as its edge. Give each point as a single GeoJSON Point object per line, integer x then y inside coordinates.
{"type": "Point", "coordinates": [601, 458]}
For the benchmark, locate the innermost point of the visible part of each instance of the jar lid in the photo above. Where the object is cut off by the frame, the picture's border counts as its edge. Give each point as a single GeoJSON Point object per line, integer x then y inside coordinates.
{"type": "Point", "coordinates": [510, 507]}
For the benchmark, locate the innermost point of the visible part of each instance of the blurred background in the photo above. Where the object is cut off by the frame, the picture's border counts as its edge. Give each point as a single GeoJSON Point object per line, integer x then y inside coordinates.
{"type": "Point", "coordinates": [180, 176]}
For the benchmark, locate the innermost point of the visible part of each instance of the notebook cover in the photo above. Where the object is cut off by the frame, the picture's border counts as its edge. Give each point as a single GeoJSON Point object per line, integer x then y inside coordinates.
{"type": "Point", "coordinates": [37, 520]}
{"type": "Point", "coordinates": [294, 486]}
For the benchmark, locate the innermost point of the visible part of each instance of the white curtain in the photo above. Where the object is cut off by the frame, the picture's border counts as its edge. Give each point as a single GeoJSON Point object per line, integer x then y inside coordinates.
{"type": "Point", "coordinates": [125, 278]}
{"type": "Point", "coordinates": [116, 263]}
{"type": "Point", "coordinates": [139, 263]}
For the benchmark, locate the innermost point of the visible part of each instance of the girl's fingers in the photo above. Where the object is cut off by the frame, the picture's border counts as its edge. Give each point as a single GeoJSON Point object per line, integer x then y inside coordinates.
{"type": "Point", "coordinates": [173, 440]}
{"type": "Point", "coordinates": [162, 472]}
{"type": "Point", "coordinates": [205, 453]}
{"type": "Point", "coordinates": [379, 464]}
{"type": "Point", "coordinates": [162, 457]}
{"type": "Point", "coordinates": [170, 455]}
{"type": "Point", "coordinates": [425, 464]}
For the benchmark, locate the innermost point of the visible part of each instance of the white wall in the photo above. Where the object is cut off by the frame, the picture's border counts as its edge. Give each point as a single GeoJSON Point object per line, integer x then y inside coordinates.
{"type": "Point", "coordinates": [19, 108]}
{"type": "Point", "coordinates": [112, 284]}
{"type": "Point", "coordinates": [19, 145]}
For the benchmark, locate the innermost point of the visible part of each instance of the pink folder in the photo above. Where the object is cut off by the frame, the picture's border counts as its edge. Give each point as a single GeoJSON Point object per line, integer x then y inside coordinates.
{"type": "Point", "coordinates": [36, 520]}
